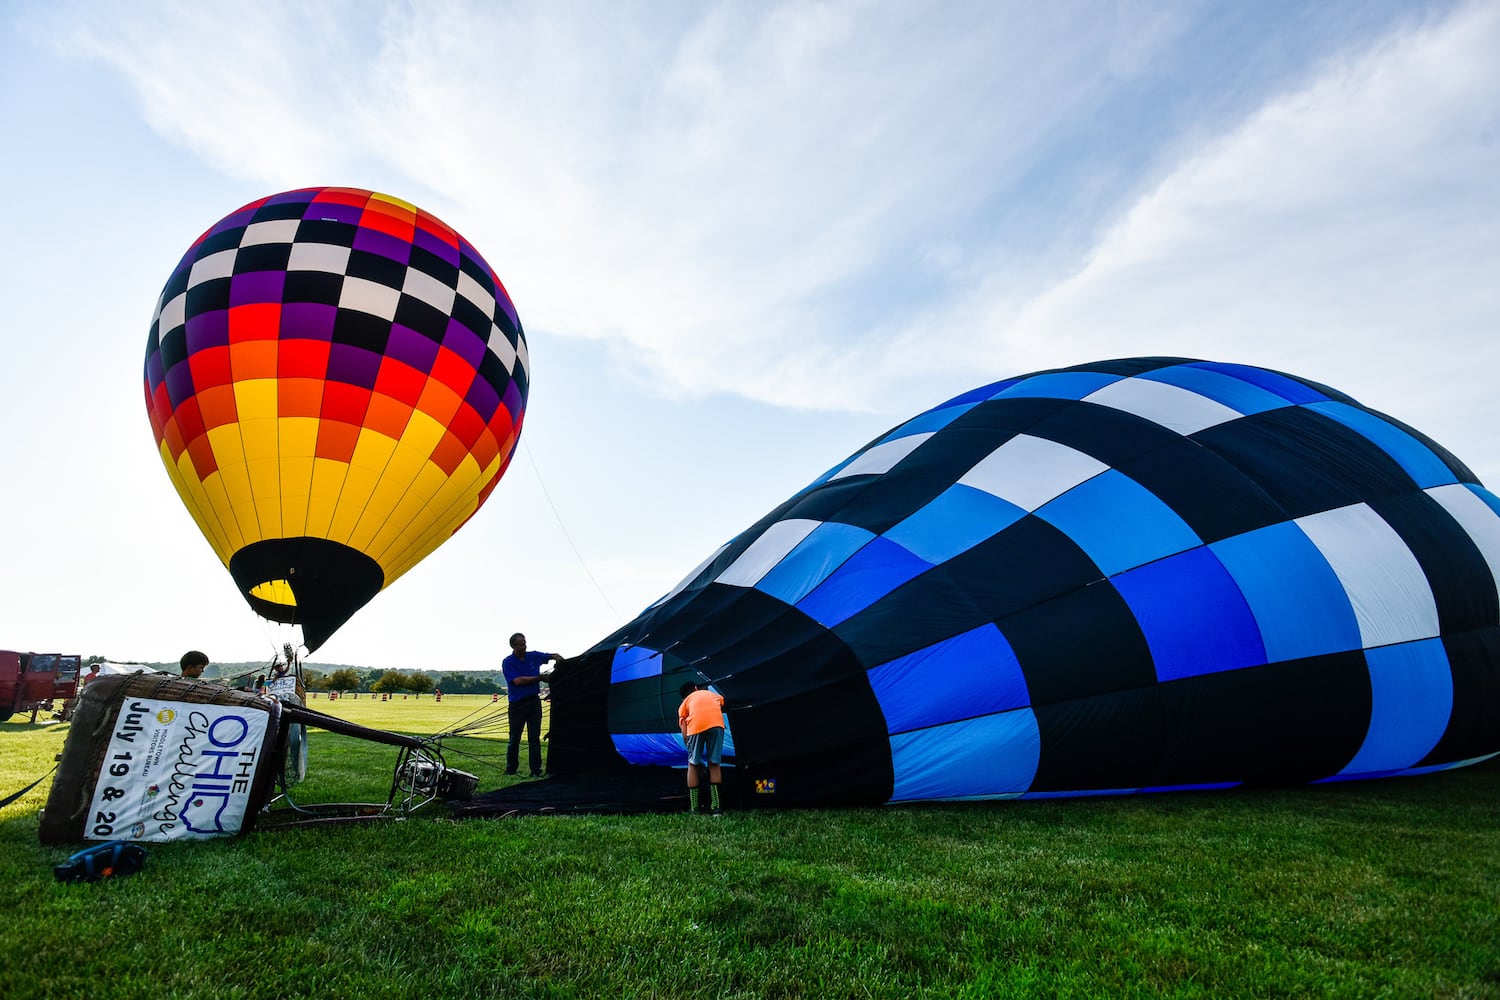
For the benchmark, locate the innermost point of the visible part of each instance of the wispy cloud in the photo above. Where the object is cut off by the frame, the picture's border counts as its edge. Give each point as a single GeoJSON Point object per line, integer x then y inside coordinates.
{"type": "Point", "coordinates": [825, 204]}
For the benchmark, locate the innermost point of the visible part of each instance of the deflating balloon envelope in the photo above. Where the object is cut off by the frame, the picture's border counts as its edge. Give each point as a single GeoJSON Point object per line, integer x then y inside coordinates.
{"type": "Point", "coordinates": [336, 381]}
{"type": "Point", "coordinates": [1140, 574]}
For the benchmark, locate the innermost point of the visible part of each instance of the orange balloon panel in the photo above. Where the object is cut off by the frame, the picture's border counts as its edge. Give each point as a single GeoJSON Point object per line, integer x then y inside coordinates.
{"type": "Point", "coordinates": [336, 381]}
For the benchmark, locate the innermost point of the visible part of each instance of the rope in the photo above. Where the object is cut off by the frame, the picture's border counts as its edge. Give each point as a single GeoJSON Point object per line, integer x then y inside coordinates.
{"type": "Point", "coordinates": [11, 798]}
{"type": "Point", "coordinates": [587, 572]}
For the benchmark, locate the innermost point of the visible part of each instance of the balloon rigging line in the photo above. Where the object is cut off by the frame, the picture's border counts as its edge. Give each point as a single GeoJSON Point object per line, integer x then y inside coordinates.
{"type": "Point", "coordinates": [589, 573]}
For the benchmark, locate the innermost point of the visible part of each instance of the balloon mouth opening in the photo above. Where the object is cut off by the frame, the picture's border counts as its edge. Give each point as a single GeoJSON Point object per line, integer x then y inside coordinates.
{"type": "Point", "coordinates": [311, 582]}
{"type": "Point", "coordinates": [277, 593]}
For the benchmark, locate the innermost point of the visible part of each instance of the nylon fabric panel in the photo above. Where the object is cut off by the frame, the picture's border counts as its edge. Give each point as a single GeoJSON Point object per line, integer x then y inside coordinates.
{"type": "Point", "coordinates": [969, 675]}
{"type": "Point", "coordinates": [1243, 397]}
{"type": "Point", "coordinates": [1261, 725]}
{"type": "Point", "coordinates": [1474, 658]}
{"type": "Point", "coordinates": [1117, 523]}
{"type": "Point", "coordinates": [1457, 575]}
{"type": "Point", "coordinates": [1219, 634]}
{"type": "Point", "coordinates": [814, 559]}
{"type": "Point", "coordinates": [1211, 496]}
{"type": "Point", "coordinates": [1298, 602]}
{"type": "Point", "coordinates": [1411, 688]}
{"type": "Point", "coordinates": [1081, 643]}
{"type": "Point", "coordinates": [1387, 589]}
{"type": "Point", "coordinates": [957, 520]}
{"type": "Point", "coordinates": [868, 575]}
{"type": "Point", "coordinates": [1306, 462]}
{"type": "Point", "coordinates": [990, 757]}
{"type": "Point", "coordinates": [970, 590]}
{"type": "Point", "coordinates": [1424, 467]}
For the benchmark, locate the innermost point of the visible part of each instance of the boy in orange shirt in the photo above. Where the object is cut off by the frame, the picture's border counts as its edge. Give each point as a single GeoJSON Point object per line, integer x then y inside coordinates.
{"type": "Point", "coordinates": [701, 719]}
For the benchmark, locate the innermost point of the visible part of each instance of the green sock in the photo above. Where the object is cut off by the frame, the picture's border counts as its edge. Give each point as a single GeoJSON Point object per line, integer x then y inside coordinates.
{"type": "Point", "coordinates": [692, 800]}
{"type": "Point", "coordinates": [714, 789]}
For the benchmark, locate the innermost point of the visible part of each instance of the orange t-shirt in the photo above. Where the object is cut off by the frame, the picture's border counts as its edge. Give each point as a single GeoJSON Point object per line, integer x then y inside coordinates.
{"type": "Point", "coordinates": [700, 712]}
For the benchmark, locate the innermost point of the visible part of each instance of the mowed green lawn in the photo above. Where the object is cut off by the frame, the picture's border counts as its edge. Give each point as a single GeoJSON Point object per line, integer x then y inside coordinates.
{"type": "Point", "coordinates": [1378, 889]}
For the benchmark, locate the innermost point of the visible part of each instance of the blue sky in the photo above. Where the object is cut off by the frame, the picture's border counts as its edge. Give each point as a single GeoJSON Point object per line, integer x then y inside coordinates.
{"type": "Point", "coordinates": [743, 239]}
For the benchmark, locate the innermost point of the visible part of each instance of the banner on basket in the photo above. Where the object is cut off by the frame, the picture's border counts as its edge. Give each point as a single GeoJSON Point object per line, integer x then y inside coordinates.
{"type": "Point", "coordinates": [177, 771]}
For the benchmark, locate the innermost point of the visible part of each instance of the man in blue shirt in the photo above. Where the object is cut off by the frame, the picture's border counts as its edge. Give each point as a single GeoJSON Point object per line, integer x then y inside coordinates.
{"type": "Point", "coordinates": [523, 678]}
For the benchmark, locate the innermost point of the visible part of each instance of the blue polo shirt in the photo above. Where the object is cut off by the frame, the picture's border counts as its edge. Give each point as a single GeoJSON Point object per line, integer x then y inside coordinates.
{"type": "Point", "coordinates": [514, 666]}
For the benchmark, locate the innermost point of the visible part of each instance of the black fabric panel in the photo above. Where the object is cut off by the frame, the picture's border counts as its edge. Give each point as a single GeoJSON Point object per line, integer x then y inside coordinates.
{"type": "Point", "coordinates": [330, 231]}
{"type": "Point", "coordinates": [377, 268]}
{"type": "Point", "coordinates": [311, 286]}
{"type": "Point", "coordinates": [1026, 564]}
{"type": "Point", "coordinates": [429, 263]}
{"type": "Point", "coordinates": [208, 296]}
{"type": "Point", "coordinates": [1306, 462]}
{"type": "Point", "coordinates": [918, 479]}
{"type": "Point", "coordinates": [414, 314]}
{"type": "Point", "coordinates": [1474, 727]}
{"type": "Point", "coordinates": [1110, 435]}
{"type": "Point", "coordinates": [1281, 723]}
{"type": "Point", "coordinates": [1462, 585]}
{"type": "Point", "coordinates": [227, 239]}
{"type": "Point", "coordinates": [1081, 643]}
{"type": "Point", "coordinates": [822, 503]}
{"type": "Point", "coordinates": [280, 211]}
{"type": "Point", "coordinates": [1458, 468]}
{"type": "Point", "coordinates": [578, 738]}
{"type": "Point", "coordinates": [263, 257]}
{"type": "Point", "coordinates": [329, 580]}
{"type": "Point", "coordinates": [646, 704]}
{"type": "Point", "coordinates": [1128, 366]}
{"type": "Point", "coordinates": [360, 329]}
{"type": "Point", "coordinates": [1210, 495]}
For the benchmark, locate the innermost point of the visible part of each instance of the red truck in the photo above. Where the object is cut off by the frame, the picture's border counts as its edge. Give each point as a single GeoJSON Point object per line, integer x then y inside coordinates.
{"type": "Point", "coordinates": [32, 682]}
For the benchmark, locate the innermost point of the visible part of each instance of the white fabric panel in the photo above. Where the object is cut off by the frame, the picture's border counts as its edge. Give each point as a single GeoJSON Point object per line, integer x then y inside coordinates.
{"type": "Point", "coordinates": [881, 457]}
{"type": "Point", "coordinates": [1390, 595]}
{"type": "Point", "coordinates": [1029, 471]}
{"type": "Point", "coordinates": [766, 551]}
{"type": "Point", "coordinates": [173, 314]}
{"type": "Point", "coordinates": [430, 290]}
{"type": "Point", "coordinates": [215, 265]}
{"type": "Point", "coordinates": [683, 583]}
{"type": "Point", "coordinates": [271, 231]}
{"type": "Point", "coordinates": [475, 293]}
{"type": "Point", "coordinates": [369, 297]}
{"type": "Point", "coordinates": [1474, 516]}
{"type": "Point", "coordinates": [1171, 406]}
{"type": "Point", "coordinates": [319, 257]}
{"type": "Point", "coordinates": [500, 344]}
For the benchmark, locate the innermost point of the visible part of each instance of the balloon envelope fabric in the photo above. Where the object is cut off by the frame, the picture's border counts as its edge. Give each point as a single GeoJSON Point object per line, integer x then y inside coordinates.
{"type": "Point", "coordinates": [1137, 575]}
{"type": "Point", "coordinates": [336, 381]}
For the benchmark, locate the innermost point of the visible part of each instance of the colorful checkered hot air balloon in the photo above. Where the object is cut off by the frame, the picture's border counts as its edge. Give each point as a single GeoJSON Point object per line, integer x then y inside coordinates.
{"type": "Point", "coordinates": [1142, 574]}
{"type": "Point", "coordinates": [336, 381]}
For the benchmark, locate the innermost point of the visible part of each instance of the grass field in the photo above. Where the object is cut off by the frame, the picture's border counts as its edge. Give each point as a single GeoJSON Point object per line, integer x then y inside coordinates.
{"type": "Point", "coordinates": [1373, 889]}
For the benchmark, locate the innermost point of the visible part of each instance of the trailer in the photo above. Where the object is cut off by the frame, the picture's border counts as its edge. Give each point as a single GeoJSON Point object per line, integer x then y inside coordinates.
{"type": "Point", "coordinates": [36, 682]}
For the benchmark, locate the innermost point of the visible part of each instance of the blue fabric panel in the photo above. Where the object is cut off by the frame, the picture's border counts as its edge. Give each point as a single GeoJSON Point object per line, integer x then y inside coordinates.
{"type": "Point", "coordinates": [1490, 500]}
{"type": "Point", "coordinates": [814, 558]}
{"type": "Point", "coordinates": [1235, 393]}
{"type": "Point", "coordinates": [929, 422]}
{"type": "Point", "coordinates": [1058, 385]}
{"type": "Point", "coordinates": [1412, 455]}
{"type": "Point", "coordinates": [870, 574]}
{"type": "Point", "coordinates": [1297, 600]}
{"type": "Point", "coordinates": [663, 749]}
{"type": "Point", "coordinates": [1081, 793]}
{"type": "Point", "coordinates": [975, 673]}
{"type": "Point", "coordinates": [981, 394]}
{"type": "Point", "coordinates": [986, 758]}
{"type": "Point", "coordinates": [632, 662]}
{"type": "Point", "coordinates": [1288, 389]}
{"type": "Point", "coordinates": [958, 519]}
{"type": "Point", "coordinates": [1118, 522]}
{"type": "Point", "coordinates": [658, 749]}
{"type": "Point", "coordinates": [1411, 687]}
{"type": "Point", "coordinates": [1193, 616]}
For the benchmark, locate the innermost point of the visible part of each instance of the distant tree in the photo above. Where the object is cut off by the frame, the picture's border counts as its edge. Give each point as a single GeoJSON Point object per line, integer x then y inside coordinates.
{"type": "Point", "coordinates": [390, 682]}
{"type": "Point", "coordinates": [418, 683]}
{"type": "Point", "coordinates": [344, 679]}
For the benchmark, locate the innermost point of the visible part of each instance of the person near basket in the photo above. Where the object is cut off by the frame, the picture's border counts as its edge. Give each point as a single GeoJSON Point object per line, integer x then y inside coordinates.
{"type": "Point", "coordinates": [523, 680]}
